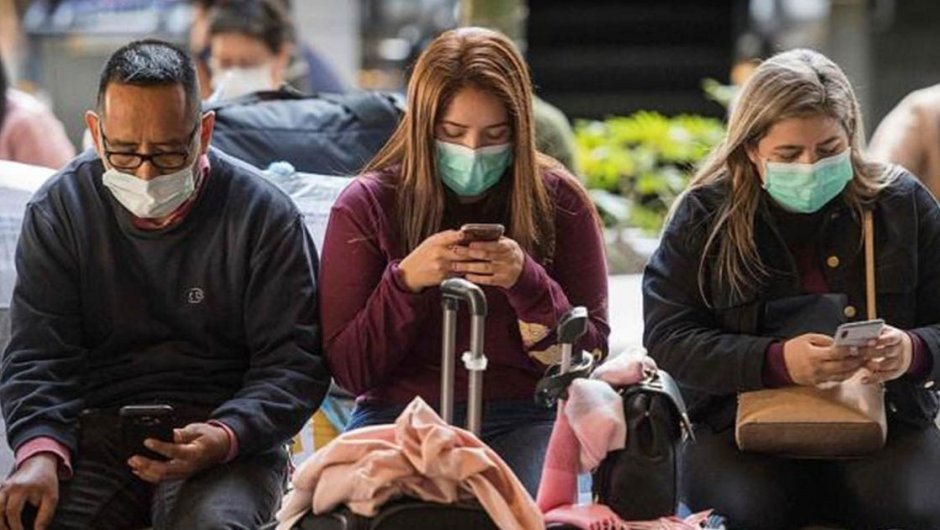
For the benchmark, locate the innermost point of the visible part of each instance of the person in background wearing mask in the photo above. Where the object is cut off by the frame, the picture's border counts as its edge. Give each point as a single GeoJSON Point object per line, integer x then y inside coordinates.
{"type": "Point", "coordinates": [761, 261]}
{"type": "Point", "coordinates": [463, 153]}
{"type": "Point", "coordinates": [29, 132]}
{"type": "Point", "coordinates": [157, 270]}
{"type": "Point", "coordinates": [251, 46]}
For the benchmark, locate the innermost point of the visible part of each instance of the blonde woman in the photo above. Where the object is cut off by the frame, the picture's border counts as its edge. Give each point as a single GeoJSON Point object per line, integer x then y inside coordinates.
{"type": "Point", "coordinates": [760, 262]}
{"type": "Point", "coordinates": [464, 153]}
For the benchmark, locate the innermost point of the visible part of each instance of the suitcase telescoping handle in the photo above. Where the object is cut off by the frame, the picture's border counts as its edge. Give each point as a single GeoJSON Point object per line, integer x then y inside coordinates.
{"type": "Point", "coordinates": [571, 327]}
{"type": "Point", "coordinates": [454, 291]}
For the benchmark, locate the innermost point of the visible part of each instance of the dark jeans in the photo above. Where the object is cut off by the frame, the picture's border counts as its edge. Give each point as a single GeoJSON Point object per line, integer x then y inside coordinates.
{"type": "Point", "coordinates": [103, 493]}
{"type": "Point", "coordinates": [517, 431]}
{"type": "Point", "coordinates": [896, 487]}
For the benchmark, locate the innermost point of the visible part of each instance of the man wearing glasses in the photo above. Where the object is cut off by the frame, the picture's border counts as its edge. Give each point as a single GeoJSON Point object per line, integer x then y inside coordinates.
{"type": "Point", "coordinates": [160, 274]}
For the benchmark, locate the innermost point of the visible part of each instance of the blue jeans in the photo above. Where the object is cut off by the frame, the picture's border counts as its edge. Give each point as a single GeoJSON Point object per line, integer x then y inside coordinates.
{"type": "Point", "coordinates": [517, 431]}
{"type": "Point", "coordinates": [103, 493]}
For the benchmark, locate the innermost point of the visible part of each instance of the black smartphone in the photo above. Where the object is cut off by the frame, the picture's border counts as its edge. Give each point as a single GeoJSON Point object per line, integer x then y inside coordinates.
{"type": "Point", "coordinates": [482, 232]}
{"type": "Point", "coordinates": [139, 422]}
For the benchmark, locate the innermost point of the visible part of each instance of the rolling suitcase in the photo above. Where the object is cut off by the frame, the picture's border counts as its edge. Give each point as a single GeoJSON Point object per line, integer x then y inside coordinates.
{"type": "Point", "coordinates": [414, 514]}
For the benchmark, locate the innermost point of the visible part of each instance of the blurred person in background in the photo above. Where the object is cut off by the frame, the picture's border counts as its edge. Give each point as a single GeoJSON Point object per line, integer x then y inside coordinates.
{"type": "Point", "coordinates": [249, 45]}
{"type": "Point", "coordinates": [29, 132]}
{"type": "Point", "coordinates": [910, 136]}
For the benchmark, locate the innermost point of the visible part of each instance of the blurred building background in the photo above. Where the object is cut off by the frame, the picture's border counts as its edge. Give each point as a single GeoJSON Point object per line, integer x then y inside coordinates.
{"type": "Point", "coordinates": [591, 58]}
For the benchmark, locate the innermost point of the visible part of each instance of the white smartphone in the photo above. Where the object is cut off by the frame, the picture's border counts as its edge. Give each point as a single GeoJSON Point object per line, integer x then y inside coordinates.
{"type": "Point", "coordinates": [858, 333]}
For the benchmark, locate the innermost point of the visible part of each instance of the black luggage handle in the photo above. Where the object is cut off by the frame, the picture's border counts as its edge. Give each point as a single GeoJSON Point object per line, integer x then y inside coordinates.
{"type": "Point", "coordinates": [554, 384]}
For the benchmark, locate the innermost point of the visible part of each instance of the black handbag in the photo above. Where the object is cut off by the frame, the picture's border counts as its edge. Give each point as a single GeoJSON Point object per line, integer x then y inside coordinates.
{"type": "Point", "coordinates": [640, 481]}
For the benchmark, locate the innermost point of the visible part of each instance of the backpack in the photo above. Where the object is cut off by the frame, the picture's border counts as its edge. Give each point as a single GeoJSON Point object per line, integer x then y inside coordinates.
{"type": "Point", "coordinates": [327, 134]}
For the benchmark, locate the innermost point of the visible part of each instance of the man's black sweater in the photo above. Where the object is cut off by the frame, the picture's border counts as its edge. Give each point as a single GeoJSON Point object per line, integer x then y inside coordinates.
{"type": "Point", "coordinates": [218, 311]}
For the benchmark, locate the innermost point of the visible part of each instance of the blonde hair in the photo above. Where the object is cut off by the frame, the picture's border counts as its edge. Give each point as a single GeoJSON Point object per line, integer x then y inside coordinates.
{"type": "Point", "coordinates": [791, 84]}
{"type": "Point", "coordinates": [460, 58]}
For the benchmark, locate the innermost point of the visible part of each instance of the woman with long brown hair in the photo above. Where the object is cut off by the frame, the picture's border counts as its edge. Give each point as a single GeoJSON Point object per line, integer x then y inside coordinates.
{"type": "Point", "coordinates": [463, 153]}
{"type": "Point", "coordinates": [760, 262]}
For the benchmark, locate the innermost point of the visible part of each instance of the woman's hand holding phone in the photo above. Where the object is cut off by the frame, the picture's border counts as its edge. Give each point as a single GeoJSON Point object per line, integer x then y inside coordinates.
{"type": "Point", "coordinates": [812, 359]}
{"type": "Point", "coordinates": [496, 263]}
{"type": "Point", "coordinates": [889, 357]}
{"type": "Point", "coordinates": [433, 261]}
{"type": "Point", "coordinates": [476, 252]}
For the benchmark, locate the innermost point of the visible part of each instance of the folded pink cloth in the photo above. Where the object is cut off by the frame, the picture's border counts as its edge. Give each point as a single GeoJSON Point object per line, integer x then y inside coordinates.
{"type": "Point", "coordinates": [419, 456]}
{"type": "Point", "coordinates": [559, 484]}
{"type": "Point", "coordinates": [595, 414]}
{"type": "Point", "coordinates": [626, 369]}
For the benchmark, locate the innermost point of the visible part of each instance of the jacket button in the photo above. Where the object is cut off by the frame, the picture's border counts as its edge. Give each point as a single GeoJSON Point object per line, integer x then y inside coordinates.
{"type": "Point", "coordinates": [832, 261]}
{"type": "Point", "coordinates": [849, 311]}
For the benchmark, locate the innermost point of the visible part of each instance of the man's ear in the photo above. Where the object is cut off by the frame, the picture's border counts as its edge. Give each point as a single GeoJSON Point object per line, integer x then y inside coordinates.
{"type": "Point", "coordinates": [207, 126]}
{"type": "Point", "coordinates": [93, 122]}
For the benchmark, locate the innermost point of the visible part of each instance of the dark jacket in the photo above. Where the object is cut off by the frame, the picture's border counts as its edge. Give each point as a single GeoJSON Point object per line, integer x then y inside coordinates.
{"type": "Point", "coordinates": [218, 312]}
{"type": "Point", "coordinates": [716, 351]}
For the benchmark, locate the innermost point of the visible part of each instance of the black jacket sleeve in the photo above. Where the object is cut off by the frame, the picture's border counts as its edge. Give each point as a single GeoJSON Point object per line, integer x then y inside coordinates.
{"type": "Point", "coordinates": [927, 318]}
{"type": "Point", "coordinates": [681, 332]}
{"type": "Point", "coordinates": [287, 376]}
{"type": "Point", "coordinates": [41, 372]}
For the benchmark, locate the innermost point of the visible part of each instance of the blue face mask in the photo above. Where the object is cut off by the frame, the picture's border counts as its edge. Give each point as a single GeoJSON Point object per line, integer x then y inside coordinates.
{"type": "Point", "coordinates": [470, 172]}
{"type": "Point", "coordinates": [806, 188]}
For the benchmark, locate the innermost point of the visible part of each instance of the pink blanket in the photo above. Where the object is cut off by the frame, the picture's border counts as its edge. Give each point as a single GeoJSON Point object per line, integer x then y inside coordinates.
{"type": "Point", "coordinates": [419, 456]}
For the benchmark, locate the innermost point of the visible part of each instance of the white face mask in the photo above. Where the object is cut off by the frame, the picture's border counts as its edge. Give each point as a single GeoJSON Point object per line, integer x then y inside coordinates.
{"type": "Point", "coordinates": [151, 199]}
{"type": "Point", "coordinates": [236, 82]}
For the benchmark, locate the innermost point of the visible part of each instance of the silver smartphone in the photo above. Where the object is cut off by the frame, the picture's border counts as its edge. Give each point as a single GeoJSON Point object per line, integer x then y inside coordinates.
{"type": "Point", "coordinates": [858, 333]}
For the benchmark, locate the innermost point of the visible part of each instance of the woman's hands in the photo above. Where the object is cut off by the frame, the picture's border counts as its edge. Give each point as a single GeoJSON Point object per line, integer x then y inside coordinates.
{"type": "Point", "coordinates": [432, 262]}
{"type": "Point", "coordinates": [443, 255]}
{"type": "Point", "coordinates": [890, 356]}
{"type": "Point", "coordinates": [497, 263]}
{"type": "Point", "coordinates": [813, 358]}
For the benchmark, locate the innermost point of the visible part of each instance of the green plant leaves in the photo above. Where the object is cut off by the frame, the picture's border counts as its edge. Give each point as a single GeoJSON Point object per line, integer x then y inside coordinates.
{"type": "Point", "coordinates": [645, 159]}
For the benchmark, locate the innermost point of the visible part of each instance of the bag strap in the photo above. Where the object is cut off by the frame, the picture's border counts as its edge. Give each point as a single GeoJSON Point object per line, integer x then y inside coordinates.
{"type": "Point", "coordinates": [869, 235]}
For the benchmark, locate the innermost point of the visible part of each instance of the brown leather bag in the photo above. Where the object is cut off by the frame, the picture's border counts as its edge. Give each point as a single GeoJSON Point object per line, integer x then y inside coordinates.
{"type": "Point", "coordinates": [844, 420]}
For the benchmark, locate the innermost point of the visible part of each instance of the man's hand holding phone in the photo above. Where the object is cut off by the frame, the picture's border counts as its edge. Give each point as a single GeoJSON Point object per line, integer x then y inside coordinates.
{"type": "Point", "coordinates": [195, 447]}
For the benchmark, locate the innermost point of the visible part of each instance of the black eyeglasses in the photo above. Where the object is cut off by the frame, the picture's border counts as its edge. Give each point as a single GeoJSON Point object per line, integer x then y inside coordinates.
{"type": "Point", "coordinates": [167, 161]}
